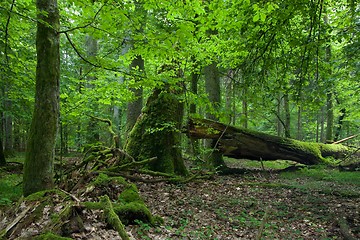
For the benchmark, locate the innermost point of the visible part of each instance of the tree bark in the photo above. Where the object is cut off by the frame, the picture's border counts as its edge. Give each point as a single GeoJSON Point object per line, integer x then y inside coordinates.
{"type": "Point", "coordinates": [39, 161]}
{"type": "Point", "coordinates": [242, 143]}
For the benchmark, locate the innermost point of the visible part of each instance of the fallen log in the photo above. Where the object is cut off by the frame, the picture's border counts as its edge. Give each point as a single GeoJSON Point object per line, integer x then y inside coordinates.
{"type": "Point", "coordinates": [243, 143]}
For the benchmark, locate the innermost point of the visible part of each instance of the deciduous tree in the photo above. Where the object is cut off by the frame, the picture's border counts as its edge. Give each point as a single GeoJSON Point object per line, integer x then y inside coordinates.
{"type": "Point", "coordinates": [39, 162]}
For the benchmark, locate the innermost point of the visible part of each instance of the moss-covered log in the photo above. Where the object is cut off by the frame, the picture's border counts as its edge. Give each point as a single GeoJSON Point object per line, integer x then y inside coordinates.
{"type": "Point", "coordinates": [243, 143]}
{"type": "Point", "coordinates": [112, 218]}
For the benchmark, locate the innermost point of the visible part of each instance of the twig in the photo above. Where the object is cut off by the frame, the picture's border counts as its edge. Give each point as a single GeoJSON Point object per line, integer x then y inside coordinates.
{"type": "Point", "coordinates": [345, 139]}
{"type": "Point", "coordinates": [131, 164]}
{"type": "Point", "coordinates": [71, 195]}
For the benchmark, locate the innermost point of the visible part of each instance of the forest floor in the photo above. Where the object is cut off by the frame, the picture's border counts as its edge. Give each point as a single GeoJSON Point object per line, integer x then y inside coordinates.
{"type": "Point", "coordinates": [298, 205]}
{"type": "Point", "coordinates": [306, 204]}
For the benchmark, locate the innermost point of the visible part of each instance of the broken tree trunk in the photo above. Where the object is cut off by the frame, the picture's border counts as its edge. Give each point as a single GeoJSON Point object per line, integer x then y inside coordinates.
{"type": "Point", "coordinates": [243, 143]}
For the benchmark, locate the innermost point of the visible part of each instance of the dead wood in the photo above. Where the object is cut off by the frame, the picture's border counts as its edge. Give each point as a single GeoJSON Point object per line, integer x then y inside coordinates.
{"type": "Point", "coordinates": [243, 143]}
{"type": "Point", "coordinates": [345, 139]}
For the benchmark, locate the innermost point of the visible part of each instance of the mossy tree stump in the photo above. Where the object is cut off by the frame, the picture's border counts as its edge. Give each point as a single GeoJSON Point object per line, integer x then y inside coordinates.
{"type": "Point", "coordinates": [157, 133]}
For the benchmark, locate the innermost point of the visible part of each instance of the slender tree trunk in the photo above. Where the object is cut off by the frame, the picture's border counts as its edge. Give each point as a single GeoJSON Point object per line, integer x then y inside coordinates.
{"type": "Point", "coordinates": [212, 87]}
{"type": "Point", "coordinates": [39, 161]}
{"type": "Point", "coordinates": [2, 156]}
{"type": "Point", "coordinates": [329, 95]}
{"type": "Point", "coordinates": [245, 117]}
{"type": "Point", "coordinates": [117, 112]}
{"type": "Point", "coordinates": [134, 107]}
{"type": "Point", "coordinates": [193, 144]}
{"type": "Point", "coordinates": [93, 132]}
{"type": "Point", "coordinates": [329, 118]}
{"type": "Point", "coordinates": [322, 125]}
{"type": "Point", "coordinates": [8, 146]}
{"type": "Point", "coordinates": [229, 98]}
{"type": "Point", "coordinates": [340, 124]}
{"type": "Point", "coordinates": [299, 124]}
{"type": "Point", "coordinates": [287, 126]}
{"type": "Point", "coordinates": [194, 90]}
{"type": "Point", "coordinates": [279, 125]}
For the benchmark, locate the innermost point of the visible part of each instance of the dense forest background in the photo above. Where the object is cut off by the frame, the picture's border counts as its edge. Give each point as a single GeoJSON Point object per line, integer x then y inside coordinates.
{"type": "Point", "coordinates": [111, 87]}
{"type": "Point", "coordinates": [289, 68]}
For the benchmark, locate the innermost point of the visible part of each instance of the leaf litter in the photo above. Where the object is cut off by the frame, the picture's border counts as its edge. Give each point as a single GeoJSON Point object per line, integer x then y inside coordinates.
{"type": "Point", "coordinates": [261, 206]}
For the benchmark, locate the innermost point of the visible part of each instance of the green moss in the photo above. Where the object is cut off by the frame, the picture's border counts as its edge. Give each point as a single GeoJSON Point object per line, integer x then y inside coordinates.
{"type": "Point", "coordinates": [130, 212]}
{"type": "Point", "coordinates": [93, 205]}
{"type": "Point", "coordinates": [41, 195]}
{"type": "Point", "coordinates": [130, 194]}
{"type": "Point", "coordinates": [50, 236]}
{"type": "Point", "coordinates": [103, 179]}
{"type": "Point", "coordinates": [112, 218]}
{"type": "Point", "coordinates": [311, 149]}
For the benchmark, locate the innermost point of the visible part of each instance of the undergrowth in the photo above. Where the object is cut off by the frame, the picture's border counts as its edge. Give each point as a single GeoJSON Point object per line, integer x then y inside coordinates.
{"type": "Point", "coordinates": [10, 188]}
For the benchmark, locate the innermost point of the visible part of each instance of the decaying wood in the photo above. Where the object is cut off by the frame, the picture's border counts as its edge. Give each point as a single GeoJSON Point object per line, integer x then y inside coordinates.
{"type": "Point", "coordinates": [243, 143]}
{"type": "Point", "coordinates": [16, 220]}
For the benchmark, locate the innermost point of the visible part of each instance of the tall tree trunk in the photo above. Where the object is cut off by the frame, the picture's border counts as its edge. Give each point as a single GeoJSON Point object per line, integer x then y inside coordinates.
{"type": "Point", "coordinates": [322, 125]}
{"type": "Point", "coordinates": [245, 115]}
{"type": "Point", "coordinates": [287, 126]}
{"type": "Point", "coordinates": [229, 89]}
{"type": "Point", "coordinates": [39, 161]}
{"type": "Point", "coordinates": [93, 132]}
{"type": "Point", "coordinates": [212, 87]}
{"type": "Point", "coordinates": [194, 90]}
{"type": "Point", "coordinates": [279, 125]}
{"type": "Point", "coordinates": [2, 156]}
{"type": "Point", "coordinates": [193, 144]}
{"type": "Point", "coordinates": [329, 118]}
{"type": "Point", "coordinates": [299, 123]}
{"type": "Point", "coordinates": [8, 129]}
{"type": "Point", "coordinates": [340, 124]}
{"type": "Point", "coordinates": [329, 95]}
{"type": "Point", "coordinates": [134, 107]}
{"type": "Point", "coordinates": [117, 112]}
